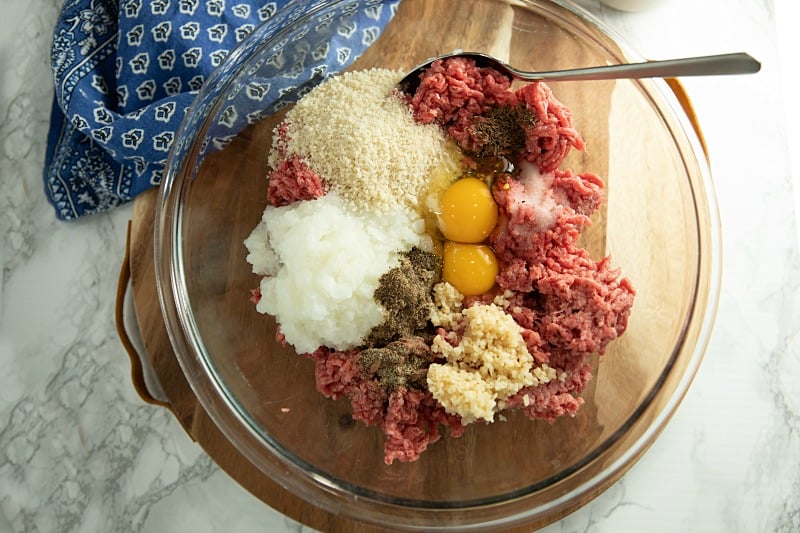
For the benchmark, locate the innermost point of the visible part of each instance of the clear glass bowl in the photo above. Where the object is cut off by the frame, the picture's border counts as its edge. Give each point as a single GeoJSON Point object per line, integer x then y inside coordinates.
{"type": "Point", "coordinates": [660, 225]}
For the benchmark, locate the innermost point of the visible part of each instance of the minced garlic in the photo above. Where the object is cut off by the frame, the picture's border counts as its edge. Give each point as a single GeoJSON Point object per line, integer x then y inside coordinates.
{"type": "Point", "coordinates": [447, 306]}
{"type": "Point", "coordinates": [490, 363]}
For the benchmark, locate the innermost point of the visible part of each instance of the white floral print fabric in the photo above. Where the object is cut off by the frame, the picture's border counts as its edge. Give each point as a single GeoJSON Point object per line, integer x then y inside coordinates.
{"type": "Point", "coordinates": [125, 72]}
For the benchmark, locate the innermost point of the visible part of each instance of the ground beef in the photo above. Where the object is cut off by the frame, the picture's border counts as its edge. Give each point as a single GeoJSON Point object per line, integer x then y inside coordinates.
{"type": "Point", "coordinates": [369, 399]}
{"type": "Point", "coordinates": [455, 93]}
{"type": "Point", "coordinates": [580, 304]}
{"type": "Point", "coordinates": [569, 305]}
{"type": "Point", "coordinates": [582, 192]}
{"type": "Point", "coordinates": [255, 295]}
{"type": "Point", "coordinates": [412, 422]}
{"type": "Point", "coordinates": [410, 418]}
{"type": "Point", "coordinates": [584, 310]}
{"type": "Point", "coordinates": [335, 371]}
{"type": "Point", "coordinates": [522, 237]}
{"type": "Point", "coordinates": [452, 92]}
{"type": "Point", "coordinates": [292, 181]}
{"type": "Point", "coordinates": [554, 399]}
{"type": "Point", "coordinates": [552, 135]}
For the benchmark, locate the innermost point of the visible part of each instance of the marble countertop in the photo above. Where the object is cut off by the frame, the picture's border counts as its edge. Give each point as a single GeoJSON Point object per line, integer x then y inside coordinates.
{"type": "Point", "coordinates": [79, 451]}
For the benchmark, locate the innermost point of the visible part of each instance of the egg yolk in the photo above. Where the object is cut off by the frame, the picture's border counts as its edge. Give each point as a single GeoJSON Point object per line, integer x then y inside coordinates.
{"type": "Point", "coordinates": [467, 211]}
{"type": "Point", "coordinates": [470, 268]}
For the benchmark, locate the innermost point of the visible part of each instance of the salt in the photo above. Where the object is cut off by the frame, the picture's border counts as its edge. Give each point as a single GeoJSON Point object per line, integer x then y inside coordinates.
{"type": "Point", "coordinates": [538, 195]}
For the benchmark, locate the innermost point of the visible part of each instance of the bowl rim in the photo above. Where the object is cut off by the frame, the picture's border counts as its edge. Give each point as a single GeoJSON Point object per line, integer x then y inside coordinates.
{"type": "Point", "coordinates": [313, 486]}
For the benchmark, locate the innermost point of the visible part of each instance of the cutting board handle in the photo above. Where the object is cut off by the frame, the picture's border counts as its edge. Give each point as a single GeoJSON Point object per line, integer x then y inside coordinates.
{"type": "Point", "coordinates": [136, 359]}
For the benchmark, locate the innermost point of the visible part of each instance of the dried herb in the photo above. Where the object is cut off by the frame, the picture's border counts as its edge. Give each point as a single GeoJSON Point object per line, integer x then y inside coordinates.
{"type": "Point", "coordinates": [405, 294]}
{"type": "Point", "coordinates": [502, 130]}
{"type": "Point", "coordinates": [397, 352]}
{"type": "Point", "coordinates": [403, 362]}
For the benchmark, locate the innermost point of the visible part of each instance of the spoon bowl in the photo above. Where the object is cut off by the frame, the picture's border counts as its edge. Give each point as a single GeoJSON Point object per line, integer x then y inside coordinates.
{"type": "Point", "coordinates": [713, 65]}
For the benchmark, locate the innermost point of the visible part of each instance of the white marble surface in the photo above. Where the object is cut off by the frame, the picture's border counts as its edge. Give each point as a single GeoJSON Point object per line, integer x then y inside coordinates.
{"type": "Point", "coordinates": [80, 452]}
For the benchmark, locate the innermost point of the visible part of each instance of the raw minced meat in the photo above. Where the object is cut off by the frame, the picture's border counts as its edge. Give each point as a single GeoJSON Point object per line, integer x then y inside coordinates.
{"type": "Point", "coordinates": [410, 418]}
{"type": "Point", "coordinates": [552, 136]}
{"type": "Point", "coordinates": [412, 422]}
{"type": "Point", "coordinates": [454, 93]}
{"type": "Point", "coordinates": [293, 181]}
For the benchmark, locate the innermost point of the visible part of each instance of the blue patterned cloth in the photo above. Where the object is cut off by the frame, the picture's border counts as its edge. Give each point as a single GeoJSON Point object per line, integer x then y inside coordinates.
{"type": "Point", "coordinates": [126, 71]}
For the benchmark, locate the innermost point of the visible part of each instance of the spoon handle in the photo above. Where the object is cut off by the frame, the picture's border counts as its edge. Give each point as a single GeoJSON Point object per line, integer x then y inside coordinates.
{"type": "Point", "coordinates": [737, 63]}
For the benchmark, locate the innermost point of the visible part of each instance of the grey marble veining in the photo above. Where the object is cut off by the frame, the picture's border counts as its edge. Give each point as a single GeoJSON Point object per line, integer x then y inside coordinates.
{"type": "Point", "coordinates": [79, 451]}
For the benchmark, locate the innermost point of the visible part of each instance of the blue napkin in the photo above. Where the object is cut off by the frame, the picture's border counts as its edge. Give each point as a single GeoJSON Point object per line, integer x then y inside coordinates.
{"type": "Point", "coordinates": [126, 71]}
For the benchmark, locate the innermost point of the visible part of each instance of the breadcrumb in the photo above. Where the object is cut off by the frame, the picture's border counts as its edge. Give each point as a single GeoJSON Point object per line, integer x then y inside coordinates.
{"type": "Point", "coordinates": [363, 141]}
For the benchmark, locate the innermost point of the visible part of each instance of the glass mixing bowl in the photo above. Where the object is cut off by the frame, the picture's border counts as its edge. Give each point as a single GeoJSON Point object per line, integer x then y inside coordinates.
{"type": "Point", "coordinates": [659, 224]}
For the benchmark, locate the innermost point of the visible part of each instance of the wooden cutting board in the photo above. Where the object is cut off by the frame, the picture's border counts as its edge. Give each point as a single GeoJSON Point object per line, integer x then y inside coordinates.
{"type": "Point", "coordinates": [407, 31]}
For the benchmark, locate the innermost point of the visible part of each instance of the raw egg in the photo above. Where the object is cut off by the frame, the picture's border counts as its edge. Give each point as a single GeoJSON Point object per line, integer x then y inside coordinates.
{"type": "Point", "coordinates": [470, 268]}
{"type": "Point", "coordinates": [467, 211]}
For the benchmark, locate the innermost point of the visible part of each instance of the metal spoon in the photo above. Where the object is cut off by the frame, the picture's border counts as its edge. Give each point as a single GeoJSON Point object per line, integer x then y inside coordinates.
{"type": "Point", "coordinates": [714, 65]}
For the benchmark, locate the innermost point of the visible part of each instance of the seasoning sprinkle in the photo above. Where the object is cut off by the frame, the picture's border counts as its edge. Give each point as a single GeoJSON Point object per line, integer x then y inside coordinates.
{"type": "Point", "coordinates": [405, 294]}
{"type": "Point", "coordinates": [503, 130]}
